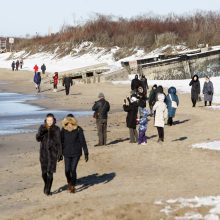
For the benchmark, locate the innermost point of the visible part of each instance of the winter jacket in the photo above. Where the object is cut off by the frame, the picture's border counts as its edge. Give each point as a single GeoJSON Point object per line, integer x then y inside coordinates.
{"type": "Point", "coordinates": [36, 68]}
{"type": "Point", "coordinates": [144, 84]}
{"type": "Point", "coordinates": [55, 79]}
{"type": "Point", "coordinates": [135, 83]}
{"type": "Point", "coordinates": [73, 140]}
{"type": "Point", "coordinates": [171, 95]}
{"type": "Point", "coordinates": [132, 111]}
{"type": "Point", "coordinates": [160, 110]}
{"type": "Point", "coordinates": [13, 65]}
{"type": "Point", "coordinates": [50, 147]}
{"type": "Point", "coordinates": [142, 101]}
{"type": "Point", "coordinates": [195, 90]}
{"type": "Point", "coordinates": [152, 97]}
{"type": "Point", "coordinates": [37, 78]}
{"type": "Point", "coordinates": [67, 81]}
{"type": "Point", "coordinates": [101, 107]}
{"type": "Point", "coordinates": [143, 121]}
{"type": "Point", "coordinates": [208, 91]}
{"type": "Point", "coordinates": [43, 68]}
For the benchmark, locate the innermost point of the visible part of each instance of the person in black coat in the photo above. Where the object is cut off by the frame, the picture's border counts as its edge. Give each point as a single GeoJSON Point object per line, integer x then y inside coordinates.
{"type": "Point", "coordinates": [144, 84]}
{"type": "Point", "coordinates": [13, 65]}
{"type": "Point", "coordinates": [43, 68]}
{"type": "Point", "coordinates": [135, 84]}
{"type": "Point", "coordinates": [152, 98]}
{"type": "Point", "coordinates": [131, 120]}
{"type": "Point", "coordinates": [73, 142]}
{"type": "Point", "coordinates": [50, 150]}
{"type": "Point", "coordinates": [101, 109]}
{"type": "Point", "coordinates": [67, 82]}
{"type": "Point", "coordinates": [195, 89]}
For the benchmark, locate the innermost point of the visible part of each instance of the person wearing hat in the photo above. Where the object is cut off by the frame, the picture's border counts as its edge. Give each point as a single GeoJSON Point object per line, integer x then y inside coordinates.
{"type": "Point", "coordinates": [50, 150]}
{"type": "Point", "coordinates": [131, 120]}
{"type": "Point", "coordinates": [101, 109]}
{"type": "Point", "coordinates": [73, 143]}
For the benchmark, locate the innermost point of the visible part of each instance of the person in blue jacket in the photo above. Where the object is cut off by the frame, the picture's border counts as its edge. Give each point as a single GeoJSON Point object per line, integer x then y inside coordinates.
{"type": "Point", "coordinates": [37, 81]}
{"type": "Point", "coordinates": [172, 102]}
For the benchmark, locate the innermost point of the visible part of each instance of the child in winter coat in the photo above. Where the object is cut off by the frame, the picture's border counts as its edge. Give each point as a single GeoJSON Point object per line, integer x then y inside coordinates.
{"type": "Point", "coordinates": [160, 110]}
{"type": "Point", "coordinates": [142, 139]}
{"type": "Point", "coordinates": [55, 81]}
{"type": "Point", "coordinates": [172, 102]}
{"type": "Point", "coordinates": [73, 142]}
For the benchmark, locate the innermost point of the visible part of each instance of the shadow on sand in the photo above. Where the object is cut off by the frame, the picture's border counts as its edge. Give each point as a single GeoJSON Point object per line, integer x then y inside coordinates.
{"type": "Point", "coordinates": [88, 181]}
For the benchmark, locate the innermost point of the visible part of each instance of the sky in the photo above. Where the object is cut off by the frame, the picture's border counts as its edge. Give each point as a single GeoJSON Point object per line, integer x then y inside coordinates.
{"type": "Point", "coordinates": [19, 18]}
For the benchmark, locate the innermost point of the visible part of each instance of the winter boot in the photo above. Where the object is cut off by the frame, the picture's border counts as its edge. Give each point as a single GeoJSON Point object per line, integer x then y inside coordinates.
{"type": "Point", "coordinates": [44, 176]}
{"type": "Point", "coordinates": [49, 184]}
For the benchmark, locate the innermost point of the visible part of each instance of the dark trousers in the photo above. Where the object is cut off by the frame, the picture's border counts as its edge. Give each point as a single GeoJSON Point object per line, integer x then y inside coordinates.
{"type": "Point", "coordinates": [142, 138]}
{"type": "Point", "coordinates": [210, 103]}
{"type": "Point", "coordinates": [55, 86]}
{"type": "Point", "coordinates": [193, 102]}
{"type": "Point", "coordinates": [48, 180]}
{"type": "Point", "coordinates": [102, 131]}
{"type": "Point", "coordinates": [67, 88]}
{"type": "Point", "coordinates": [160, 131]}
{"type": "Point", "coordinates": [133, 135]}
{"type": "Point", "coordinates": [70, 169]}
{"type": "Point", "coordinates": [170, 121]}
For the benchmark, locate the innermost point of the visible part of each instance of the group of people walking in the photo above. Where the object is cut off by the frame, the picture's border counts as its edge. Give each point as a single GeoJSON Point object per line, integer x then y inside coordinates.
{"type": "Point", "coordinates": [208, 90]}
{"type": "Point", "coordinates": [56, 143]}
{"type": "Point", "coordinates": [17, 64]}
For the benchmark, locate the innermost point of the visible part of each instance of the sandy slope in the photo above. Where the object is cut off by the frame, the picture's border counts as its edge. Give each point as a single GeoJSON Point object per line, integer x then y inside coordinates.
{"type": "Point", "coordinates": [121, 180]}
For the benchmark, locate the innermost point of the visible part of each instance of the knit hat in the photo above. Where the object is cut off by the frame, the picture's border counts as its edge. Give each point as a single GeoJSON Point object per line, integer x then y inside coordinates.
{"type": "Point", "coordinates": [70, 116]}
{"type": "Point", "coordinates": [101, 95]}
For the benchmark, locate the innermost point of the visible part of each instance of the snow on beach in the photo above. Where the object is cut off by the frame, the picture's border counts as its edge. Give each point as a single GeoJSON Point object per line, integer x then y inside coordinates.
{"type": "Point", "coordinates": [174, 205]}
{"type": "Point", "coordinates": [214, 145]}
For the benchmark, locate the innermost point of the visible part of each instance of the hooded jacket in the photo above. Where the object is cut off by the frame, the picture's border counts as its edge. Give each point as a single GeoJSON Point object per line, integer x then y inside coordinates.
{"type": "Point", "coordinates": [143, 121]}
{"type": "Point", "coordinates": [160, 109]}
{"type": "Point", "coordinates": [135, 83]}
{"type": "Point", "coordinates": [73, 140]}
{"type": "Point", "coordinates": [171, 95]}
{"type": "Point", "coordinates": [195, 90]}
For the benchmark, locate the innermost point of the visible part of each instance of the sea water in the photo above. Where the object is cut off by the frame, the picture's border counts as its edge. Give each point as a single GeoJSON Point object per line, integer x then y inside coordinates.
{"type": "Point", "coordinates": [16, 115]}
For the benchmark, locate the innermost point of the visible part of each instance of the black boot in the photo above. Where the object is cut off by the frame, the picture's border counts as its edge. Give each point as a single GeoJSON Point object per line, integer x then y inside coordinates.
{"type": "Point", "coordinates": [44, 176]}
{"type": "Point", "coordinates": [49, 184]}
{"type": "Point", "coordinates": [205, 103]}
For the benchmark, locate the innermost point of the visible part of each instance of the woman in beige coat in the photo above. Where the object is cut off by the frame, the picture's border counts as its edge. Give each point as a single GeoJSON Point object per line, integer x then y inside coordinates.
{"type": "Point", "coordinates": [160, 112]}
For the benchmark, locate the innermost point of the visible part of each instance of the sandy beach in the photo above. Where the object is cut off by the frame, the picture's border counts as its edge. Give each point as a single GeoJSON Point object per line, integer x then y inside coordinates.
{"type": "Point", "coordinates": [121, 180]}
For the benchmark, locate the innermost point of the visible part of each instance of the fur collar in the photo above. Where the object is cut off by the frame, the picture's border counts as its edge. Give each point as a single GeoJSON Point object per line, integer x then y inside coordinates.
{"type": "Point", "coordinates": [70, 120]}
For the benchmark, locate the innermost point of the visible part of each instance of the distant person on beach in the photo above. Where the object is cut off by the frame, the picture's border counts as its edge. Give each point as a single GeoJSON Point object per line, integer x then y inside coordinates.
{"type": "Point", "coordinates": [55, 81]}
{"type": "Point", "coordinates": [50, 150]}
{"type": "Point", "coordinates": [132, 111]}
{"type": "Point", "coordinates": [73, 142]}
{"type": "Point", "coordinates": [208, 91]}
{"type": "Point", "coordinates": [67, 82]}
{"type": "Point", "coordinates": [37, 81]}
{"type": "Point", "coordinates": [160, 110]}
{"type": "Point", "coordinates": [36, 68]}
{"type": "Point", "coordinates": [101, 109]}
{"type": "Point", "coordinates": [142, 138]}
{"type": "Point", "coordinates": [152, 98]}
{"type": "Point", "coordinates": [172, 102]}
{"type": "Point", "coordinates": [43, 69]}
{"type": "Point", "coordinates": [21, 64]}
{"type": "Point", "coordinates": [17, 65]}
{"type": "Point", "coordinates": [195, 90]}
{"type": "Point", "coordinates": [135, 84]}
{"type": "Point", "coordinates": [144, 84]}
{"type": "Point", "coordinates": [13, 66]}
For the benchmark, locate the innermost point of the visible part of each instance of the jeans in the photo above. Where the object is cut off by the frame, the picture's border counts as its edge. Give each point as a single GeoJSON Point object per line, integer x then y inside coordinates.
{"type": "Point", "coordinates": [70, 169]}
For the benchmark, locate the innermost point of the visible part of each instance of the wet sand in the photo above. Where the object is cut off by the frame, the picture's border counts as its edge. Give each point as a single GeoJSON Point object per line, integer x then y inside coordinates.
{"type": "Point", "coordinates": [121, 180]}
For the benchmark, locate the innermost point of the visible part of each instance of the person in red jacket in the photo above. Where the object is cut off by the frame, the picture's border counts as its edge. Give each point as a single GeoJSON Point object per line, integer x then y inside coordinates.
{"type": "Point", "coordinates": [36, 68]}
{"type": "Point", "coordinates": [55, 81]}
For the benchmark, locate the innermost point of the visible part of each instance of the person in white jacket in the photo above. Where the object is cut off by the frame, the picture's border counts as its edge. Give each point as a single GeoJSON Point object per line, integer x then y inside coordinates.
{"type": "Point", "coordinates": [160, 112]}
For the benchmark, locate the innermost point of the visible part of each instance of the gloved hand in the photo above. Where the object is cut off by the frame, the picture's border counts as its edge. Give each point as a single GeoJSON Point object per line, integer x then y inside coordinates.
{"type": "Point", "coordinates": [60, 158]}
{"type": "Point", "coordinates": [86, 157]}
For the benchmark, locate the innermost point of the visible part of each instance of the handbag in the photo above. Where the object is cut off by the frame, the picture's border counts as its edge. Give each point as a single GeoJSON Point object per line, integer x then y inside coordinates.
{"type": "Point", "coordinates": [173, 103]}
